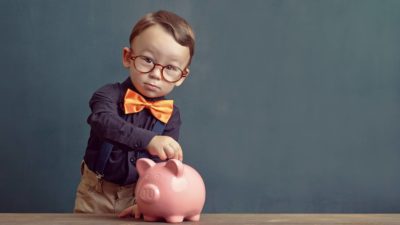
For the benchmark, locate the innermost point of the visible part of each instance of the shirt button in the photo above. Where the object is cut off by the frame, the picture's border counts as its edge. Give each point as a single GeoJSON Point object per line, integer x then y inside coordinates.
{"type": "Point", "coordinates": [132, 160]}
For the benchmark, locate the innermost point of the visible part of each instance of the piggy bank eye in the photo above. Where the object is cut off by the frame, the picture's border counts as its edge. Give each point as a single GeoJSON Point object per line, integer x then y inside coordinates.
{"type": "Point", "coordinates": [156, 176]}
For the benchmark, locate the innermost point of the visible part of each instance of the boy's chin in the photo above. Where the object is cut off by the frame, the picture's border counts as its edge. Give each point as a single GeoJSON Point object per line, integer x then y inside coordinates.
{"type": "Point", "coordinates": [150, 94]}
{"type": "Point", "coordinates": [154, 93]}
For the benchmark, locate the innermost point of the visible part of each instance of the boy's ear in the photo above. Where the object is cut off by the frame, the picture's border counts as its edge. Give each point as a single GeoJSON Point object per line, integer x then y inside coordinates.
{"type": "Point", "coordinates": [126, 57]}
{"type": "Point", "coordinates": [183, 78]}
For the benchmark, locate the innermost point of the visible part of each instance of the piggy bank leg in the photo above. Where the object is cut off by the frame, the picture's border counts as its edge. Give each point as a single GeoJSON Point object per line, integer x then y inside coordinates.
{"type": "Point", "coordinates": [149, 218]}
{"type": "Point", "coordinates": [194, 218]}
{"type": "Point", "coordinates": [174, 219]}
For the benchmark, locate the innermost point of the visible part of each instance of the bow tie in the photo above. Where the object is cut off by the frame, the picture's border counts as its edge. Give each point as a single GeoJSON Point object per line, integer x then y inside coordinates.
{"type": "Point", "coordinates": [162, 110]}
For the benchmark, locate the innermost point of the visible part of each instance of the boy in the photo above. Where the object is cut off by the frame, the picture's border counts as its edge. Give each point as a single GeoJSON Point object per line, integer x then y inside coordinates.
{"type": "Point", "coordinates": [132, 119]}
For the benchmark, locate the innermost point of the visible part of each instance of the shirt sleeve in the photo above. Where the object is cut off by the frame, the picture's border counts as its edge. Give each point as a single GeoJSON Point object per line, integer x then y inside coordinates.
{"type": "Point", "coordinates": [106, 122]}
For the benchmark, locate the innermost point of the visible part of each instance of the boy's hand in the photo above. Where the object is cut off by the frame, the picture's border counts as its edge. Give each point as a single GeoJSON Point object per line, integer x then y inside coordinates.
{"type": "Point", "coordinates": [130, 211]}
{"type": "Point", "coordinates": [165, 147]}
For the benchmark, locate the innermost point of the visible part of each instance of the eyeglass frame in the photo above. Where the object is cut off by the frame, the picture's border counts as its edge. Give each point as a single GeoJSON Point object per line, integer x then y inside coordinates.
{"type": "Point", "coordinates": [183, 72]}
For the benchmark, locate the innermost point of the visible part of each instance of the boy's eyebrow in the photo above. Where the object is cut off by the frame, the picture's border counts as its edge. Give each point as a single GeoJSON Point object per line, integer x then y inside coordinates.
{"type": "Point", "coordinates": [170, 59]}
{"type": "Point", "coordinates": [147, 51]}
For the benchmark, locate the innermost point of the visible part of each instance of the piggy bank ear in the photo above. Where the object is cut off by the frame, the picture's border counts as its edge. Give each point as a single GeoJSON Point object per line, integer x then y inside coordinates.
{"type": "Point", "coordinates": [175, 166]}
{"type": "Point", "coordinates": [143, 164]}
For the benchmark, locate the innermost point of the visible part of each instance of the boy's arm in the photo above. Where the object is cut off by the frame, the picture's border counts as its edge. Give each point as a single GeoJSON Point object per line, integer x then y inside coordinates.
{"type": "Point", "coordinates": [167, 146]}
{"type": "Point", "coordinates": [106, 122]}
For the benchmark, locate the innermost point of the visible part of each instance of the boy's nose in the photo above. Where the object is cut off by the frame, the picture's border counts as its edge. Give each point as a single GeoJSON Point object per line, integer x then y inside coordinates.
{"type": "Point", "coordinates": [156, 72]}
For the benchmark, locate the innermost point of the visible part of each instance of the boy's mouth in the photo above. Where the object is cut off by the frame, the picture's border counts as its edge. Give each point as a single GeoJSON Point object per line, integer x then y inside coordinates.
{"type": "Point", "coordinates": [151, 86]}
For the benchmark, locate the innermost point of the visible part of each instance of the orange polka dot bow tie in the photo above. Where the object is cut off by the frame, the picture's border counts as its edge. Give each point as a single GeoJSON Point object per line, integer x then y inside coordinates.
{"type": "Point", "coordinates": [134, 102]}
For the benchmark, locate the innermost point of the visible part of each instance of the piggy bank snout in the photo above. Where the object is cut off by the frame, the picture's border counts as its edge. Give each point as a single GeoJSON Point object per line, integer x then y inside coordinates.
{"type": "Point", "coordinates": [149, 193]}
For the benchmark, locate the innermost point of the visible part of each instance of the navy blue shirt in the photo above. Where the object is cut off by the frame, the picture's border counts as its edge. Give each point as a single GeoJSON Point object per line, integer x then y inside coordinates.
{"type": "Point", "coordinates": [129, 133]}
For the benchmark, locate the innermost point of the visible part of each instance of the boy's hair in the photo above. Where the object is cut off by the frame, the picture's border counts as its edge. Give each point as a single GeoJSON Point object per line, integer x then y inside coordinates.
{"type": "Point", "coordinates": [178, 27]}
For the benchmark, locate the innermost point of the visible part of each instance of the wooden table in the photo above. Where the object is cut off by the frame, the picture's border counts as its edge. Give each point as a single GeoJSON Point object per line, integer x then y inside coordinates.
{"type": "Point", "coordinates": [206, 219]}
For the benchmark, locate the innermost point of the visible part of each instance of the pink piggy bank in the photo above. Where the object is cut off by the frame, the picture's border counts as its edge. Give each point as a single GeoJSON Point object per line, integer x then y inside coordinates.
{"type": "Point", "coordinates": [169, 190]}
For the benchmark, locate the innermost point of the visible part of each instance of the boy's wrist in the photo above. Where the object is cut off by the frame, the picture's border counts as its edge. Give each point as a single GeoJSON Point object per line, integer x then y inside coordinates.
{"type": "Point", "coordinates": [142, 139]}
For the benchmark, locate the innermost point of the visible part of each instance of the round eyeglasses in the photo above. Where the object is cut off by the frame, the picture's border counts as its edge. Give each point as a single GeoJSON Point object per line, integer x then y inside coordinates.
{"type": "Point", "coordinates": [169, 73]}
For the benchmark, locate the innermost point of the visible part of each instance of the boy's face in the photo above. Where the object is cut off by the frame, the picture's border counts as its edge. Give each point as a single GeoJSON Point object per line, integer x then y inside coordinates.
{"type": "Point", "coordinates": [159, 47]}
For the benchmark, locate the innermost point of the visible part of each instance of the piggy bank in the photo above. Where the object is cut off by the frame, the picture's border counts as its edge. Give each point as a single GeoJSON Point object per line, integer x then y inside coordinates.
{"type": "Point", "coordinates": [169, 190]}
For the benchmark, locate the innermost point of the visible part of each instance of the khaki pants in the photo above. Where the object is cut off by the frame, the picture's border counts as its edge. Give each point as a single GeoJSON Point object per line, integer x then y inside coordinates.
{"type": "Point", "coordinates": [94, 196]}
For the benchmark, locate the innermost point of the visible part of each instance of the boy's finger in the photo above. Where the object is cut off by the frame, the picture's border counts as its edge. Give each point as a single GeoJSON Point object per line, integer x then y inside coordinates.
{"type": "Point", "coordinates": [180, 155]}
{"type": "Point", "coordinates": [162, 155]}
{"type": "Point", "coordinates": [169, 152]}
{"type": "Point", "coordinates": [176, 152]}
{"type": "Point", "coordinates": [126, 212]}
{"type": "Point", "coordinates": [179, 152]}
{"type": "Point", "coordinates": [137, 215]}
{"type": "Point", "coordinates": [136, 211]}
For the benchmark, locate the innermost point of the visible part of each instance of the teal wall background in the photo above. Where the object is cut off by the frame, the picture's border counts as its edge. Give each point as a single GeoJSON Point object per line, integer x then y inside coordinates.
{"type": "Point", "coordinates": [291, 106]}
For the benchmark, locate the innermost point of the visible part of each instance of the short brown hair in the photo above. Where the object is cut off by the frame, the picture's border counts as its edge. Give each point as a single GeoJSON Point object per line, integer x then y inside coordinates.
{"type": "Point", "coordinates": [178, 27]}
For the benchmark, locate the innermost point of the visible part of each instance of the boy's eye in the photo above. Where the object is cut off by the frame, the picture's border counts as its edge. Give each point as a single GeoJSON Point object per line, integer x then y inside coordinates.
{"type": "Point", "coordinates": [170, 67]}
{"type": "Point", "coordinates": [147, 59]}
